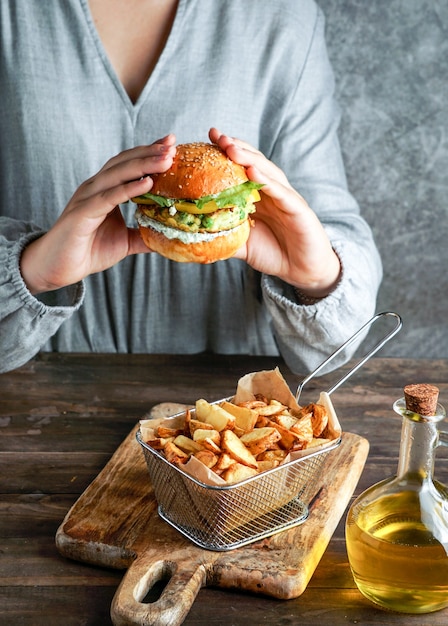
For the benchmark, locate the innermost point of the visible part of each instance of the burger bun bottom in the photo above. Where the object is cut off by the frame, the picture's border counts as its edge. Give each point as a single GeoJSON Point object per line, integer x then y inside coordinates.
{"type": "Point", "coordinates": [221, 247]}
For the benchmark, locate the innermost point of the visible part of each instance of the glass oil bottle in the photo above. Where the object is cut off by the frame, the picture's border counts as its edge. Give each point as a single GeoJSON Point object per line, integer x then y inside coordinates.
{"type": "Point", "coordinates": [397, 530]}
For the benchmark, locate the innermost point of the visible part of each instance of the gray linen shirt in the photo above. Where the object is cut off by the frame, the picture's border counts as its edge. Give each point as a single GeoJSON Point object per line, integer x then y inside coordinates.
{"type": "Point", "coordinates": [256, 69]}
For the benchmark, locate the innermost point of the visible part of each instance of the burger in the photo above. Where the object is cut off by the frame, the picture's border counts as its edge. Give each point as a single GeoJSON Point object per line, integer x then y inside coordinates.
{"type": "Point", "coordinates": [199, 210]}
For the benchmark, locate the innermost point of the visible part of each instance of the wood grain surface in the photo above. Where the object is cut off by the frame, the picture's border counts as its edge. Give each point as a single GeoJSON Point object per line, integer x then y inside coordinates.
{"type": "Point", "coordinates": [62, 417]}
{"type": "Point", "coordinates": [115, 521]}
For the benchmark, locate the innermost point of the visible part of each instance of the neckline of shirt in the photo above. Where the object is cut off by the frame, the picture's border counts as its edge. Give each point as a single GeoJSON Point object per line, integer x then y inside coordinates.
{"type": "Point", "coordinates": [133, 107]}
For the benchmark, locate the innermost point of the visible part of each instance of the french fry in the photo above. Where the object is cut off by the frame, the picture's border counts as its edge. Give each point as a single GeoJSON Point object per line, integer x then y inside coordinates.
{"type": "Point", "coordinates": [285, 419]}
{"type": "Point", "coordinates": [196, 425]}
{"type": "Point", "coordinates": [260, 439]}
{"type": "Point", "coordinates": [273, 408]}
{"type": "Point", "coordinates": [174, 454]}
{"type": "Point", "coordinates": [299, 444]}
{"type": "Point", "coordinates": [187, 421]}
{"type": "Point", "coordinates": [209, 444]}
{"type": "Point", "coordinates": [254, 404]}
{"type": "Point", "coordinates": [262, 421]}
{"type": "Point", "coordinates": [304, 428]}
{"type": "Point", "coordinates": [272, 455]}
{"type": "Point", "coordinates": [213, 414]}
{"type": "Point", "coordinates": [233, 445]}
{"type": "Point", "coordinates": [204, 433]}
{"type": "Point", "coordinates": [224, 462]}
{"type": "Point", "coordinates": [319, 419]}
{"type": "Point", "coordinates": [287, 438]}
{"type": "Point", "coordinates": [245, 418]}
{"type": "Point", "coordinates": [207, 458]}
{"type": "Point", "coordinates": [238, 472]}
{"type": "Point", "coordinates": [159, 443]}
{"type": "Point", "coordinates": [165, 432]}
{"type": "Point", "coordinates": [187, 445]}
{"type": "Point", "coordinates": [263, 466]}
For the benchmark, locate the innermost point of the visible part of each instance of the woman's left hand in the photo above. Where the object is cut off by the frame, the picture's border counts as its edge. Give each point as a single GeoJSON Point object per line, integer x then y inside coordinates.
{"type": "Point", "coordinates": [288, 239]}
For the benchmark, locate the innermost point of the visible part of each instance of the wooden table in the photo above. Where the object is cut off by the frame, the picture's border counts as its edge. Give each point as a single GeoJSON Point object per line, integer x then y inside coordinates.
{"type": "Point", "coordinates": [63, 416]}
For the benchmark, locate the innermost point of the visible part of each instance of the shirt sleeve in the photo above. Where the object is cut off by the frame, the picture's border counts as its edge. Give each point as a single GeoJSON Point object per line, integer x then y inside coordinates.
{"type": "Point", "coordinates": [309, 152]}
{"type": "Point", "coordinates": [26, 321]}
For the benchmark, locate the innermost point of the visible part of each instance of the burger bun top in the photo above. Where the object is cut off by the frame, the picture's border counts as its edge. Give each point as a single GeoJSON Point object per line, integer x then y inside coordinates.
{"type": "Point", "coordinates": [199, 169]}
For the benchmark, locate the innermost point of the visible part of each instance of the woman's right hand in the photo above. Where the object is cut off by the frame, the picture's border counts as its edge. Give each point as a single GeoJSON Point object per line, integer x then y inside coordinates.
{"type": "Point", "coordinates": [91, 235]}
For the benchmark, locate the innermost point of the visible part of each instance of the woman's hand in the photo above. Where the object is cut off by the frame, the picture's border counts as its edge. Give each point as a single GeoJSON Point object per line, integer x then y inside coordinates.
{"type": "Point", "coordinates": [91, 235]}
{"type": "Point", "coordinates": [288, 239]}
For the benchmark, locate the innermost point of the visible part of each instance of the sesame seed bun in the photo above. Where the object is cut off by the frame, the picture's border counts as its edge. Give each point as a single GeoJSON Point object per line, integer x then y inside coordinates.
{"type": "Point", "coordinates": [198, 169]}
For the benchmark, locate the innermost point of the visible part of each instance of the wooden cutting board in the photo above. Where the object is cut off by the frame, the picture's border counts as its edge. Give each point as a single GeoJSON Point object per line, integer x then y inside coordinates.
{"type": "Point", "coordinates": [115, 524]}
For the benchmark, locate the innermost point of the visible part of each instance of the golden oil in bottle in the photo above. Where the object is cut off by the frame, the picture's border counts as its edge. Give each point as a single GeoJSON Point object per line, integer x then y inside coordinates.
{"type": "Point", "coordinates": [396, 560]}
{"type": "Point", "coordinates": [397, 530]}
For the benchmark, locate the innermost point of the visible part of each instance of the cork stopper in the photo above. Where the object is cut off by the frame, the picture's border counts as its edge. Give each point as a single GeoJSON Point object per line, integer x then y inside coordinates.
{"type": "Point", "coordinates": [421, 398]}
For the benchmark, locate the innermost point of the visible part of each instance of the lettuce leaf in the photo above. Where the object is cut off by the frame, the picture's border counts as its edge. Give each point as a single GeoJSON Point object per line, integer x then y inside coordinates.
{"type": "Point", "coordinates": [235, 196]}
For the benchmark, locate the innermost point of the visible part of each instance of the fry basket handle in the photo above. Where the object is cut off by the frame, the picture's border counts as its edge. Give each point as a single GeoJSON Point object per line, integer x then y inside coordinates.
{"type": "Point", "coordinates": [373, 351]}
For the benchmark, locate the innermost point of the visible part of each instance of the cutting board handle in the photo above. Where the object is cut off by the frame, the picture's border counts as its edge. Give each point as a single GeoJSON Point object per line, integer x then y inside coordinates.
{"type": "Point", "coordinates": [185, 575]}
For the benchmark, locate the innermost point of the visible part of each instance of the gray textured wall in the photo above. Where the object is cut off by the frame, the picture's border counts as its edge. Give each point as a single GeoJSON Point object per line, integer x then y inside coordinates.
{"type": "Point", "coordinates": [390, 58]}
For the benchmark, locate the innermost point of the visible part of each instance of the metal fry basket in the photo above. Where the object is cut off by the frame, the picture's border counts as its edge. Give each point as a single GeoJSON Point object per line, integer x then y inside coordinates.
{"type": "Point", "coordinates": [226, 517]}
{"type": "Point", "coordinates": [230, 516]}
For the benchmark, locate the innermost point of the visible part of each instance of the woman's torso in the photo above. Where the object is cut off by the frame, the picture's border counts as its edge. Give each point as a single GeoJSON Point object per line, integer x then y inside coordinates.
{"type": "Point", "coordinates": [65, 112]}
